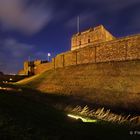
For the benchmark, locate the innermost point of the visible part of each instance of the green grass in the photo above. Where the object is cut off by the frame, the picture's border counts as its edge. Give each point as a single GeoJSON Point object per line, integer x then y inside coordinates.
{"type": "Point", "coordinates": [29, 115]}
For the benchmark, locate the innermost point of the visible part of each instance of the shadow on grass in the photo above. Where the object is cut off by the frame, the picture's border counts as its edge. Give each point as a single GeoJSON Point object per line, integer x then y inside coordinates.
{"type": "Point", "coordinates": [29, 115]}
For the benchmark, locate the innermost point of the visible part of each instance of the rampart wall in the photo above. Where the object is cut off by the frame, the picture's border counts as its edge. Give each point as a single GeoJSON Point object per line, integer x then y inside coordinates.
{"type": "Point", "coordinates": [122, 49]}
{"type": "Point", "coordinates": [43, 67]}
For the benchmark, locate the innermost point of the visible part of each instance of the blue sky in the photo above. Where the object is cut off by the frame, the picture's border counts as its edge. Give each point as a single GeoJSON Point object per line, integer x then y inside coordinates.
{"type": "Point", "coordinates": [37, 27]}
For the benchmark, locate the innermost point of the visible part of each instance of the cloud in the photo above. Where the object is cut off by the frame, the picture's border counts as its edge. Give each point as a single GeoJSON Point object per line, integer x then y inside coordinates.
{"type": "Point", "coordinates": [15, 48]}
{"type": "Point", "coordinates": [24, 16]}
{"type": "Point", "coordinates": [13, 53]}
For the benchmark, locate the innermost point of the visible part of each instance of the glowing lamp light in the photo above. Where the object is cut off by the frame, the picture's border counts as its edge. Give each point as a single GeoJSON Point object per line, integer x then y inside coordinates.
{"type": "Point", "coordinates": [49, 54]}
{"type": "Point", "coordinates": [10, 79]}
{"type": "Point", "coordinates": [82, 118]}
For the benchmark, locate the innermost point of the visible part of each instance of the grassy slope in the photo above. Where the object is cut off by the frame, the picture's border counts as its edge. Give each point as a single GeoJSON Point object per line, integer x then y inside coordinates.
{"type": "Point", "coordinates": [108, 84]}
{"type": "Point", "coordinates": [27, 115]}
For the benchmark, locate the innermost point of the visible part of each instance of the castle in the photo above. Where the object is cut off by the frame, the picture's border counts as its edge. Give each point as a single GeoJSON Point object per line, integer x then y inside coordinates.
{"type": "Point", "coordinates": [95, 45]}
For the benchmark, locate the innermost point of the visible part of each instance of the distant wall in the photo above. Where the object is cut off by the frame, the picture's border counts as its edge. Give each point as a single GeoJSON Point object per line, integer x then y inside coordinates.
{"type": "Point", "coordinates": [21, 72]}
{"type": "Point", "coordinates": [122, 49]}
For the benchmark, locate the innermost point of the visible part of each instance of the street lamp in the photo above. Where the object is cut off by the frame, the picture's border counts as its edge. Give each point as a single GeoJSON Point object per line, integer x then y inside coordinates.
{"type": "Point", "coordinates": [49, 55]}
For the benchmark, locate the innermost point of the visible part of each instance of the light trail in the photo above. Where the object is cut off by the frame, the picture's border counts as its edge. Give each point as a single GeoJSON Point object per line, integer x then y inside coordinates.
{"type": "Point", "coordinates": [10, 89]}
{"type": "Point", "coordinates": [82, 118]}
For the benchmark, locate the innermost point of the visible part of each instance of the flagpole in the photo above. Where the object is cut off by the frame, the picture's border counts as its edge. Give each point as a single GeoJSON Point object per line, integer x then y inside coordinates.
{"type": "Point", "coordinates": [78, 24]}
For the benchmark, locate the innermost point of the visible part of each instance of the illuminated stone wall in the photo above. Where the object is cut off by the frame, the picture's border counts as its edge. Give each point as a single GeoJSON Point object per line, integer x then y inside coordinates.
{"type": "Point", "coordinates": [122, 49]}
{"type": "Point", "coordinates": [59, 61]}
{"type": "Point", "coordinates": [22, 72]}
{"type": "Point", "coordinates": [133, 48]}
{"type": "Point", "coordinates": [113, 51]}
{"type": "Point", "coordinates": [29, 67]}
{"type": "Point", "coordinates": [70, 58]}
{"type": "Point", "coordinates": [86, 55]}
{"type": "Point", "coordinates": [43, 67]}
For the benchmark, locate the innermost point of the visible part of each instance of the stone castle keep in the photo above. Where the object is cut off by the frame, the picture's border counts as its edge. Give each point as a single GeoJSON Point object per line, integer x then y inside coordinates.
{"type": "Point", "coordinates": [95, 45]}
{"type": "Point", "coordinates": [90, 37]}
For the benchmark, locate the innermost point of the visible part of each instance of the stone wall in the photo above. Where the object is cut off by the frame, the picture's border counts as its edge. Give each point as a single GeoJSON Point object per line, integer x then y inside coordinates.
{"type": "Point", "coordinates": [70, 58]}
{"type": "Point", "coordinates": [59, 61]}
{"type": "Point", "coordinates": [86, 55]}
{"type": "Point", "coordinates": [133, 48]}
{"type": "Point", "coordinates": [117, 50]}
{"type": "Point", "coordinates": [113, 51]}
{"type": "Point", "coordinates": [43, 67]}
{"type": "Point", "coordinates": [22, 72]}
{"type": "Point", "coordinates": [122, 49]}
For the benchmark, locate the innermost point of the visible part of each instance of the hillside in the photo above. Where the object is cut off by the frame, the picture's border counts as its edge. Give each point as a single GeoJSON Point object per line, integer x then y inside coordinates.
{"type": "Point", "coordinates": [112, 84]}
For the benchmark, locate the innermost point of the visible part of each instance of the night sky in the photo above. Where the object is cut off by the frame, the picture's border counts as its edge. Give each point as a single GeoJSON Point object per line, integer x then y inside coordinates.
{"type": "Point", "coordinates": [37, 27]}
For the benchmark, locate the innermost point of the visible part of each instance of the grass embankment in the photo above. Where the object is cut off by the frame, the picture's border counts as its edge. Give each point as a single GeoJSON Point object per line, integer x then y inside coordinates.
{"type": "Point", "coordinates": [28, 115]}
{"type": "Point", "coordinates": [114, 85]}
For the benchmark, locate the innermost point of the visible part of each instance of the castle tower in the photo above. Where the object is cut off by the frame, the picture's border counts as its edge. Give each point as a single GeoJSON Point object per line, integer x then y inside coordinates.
{"type": "Point", "coordinates": [90, 37]}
